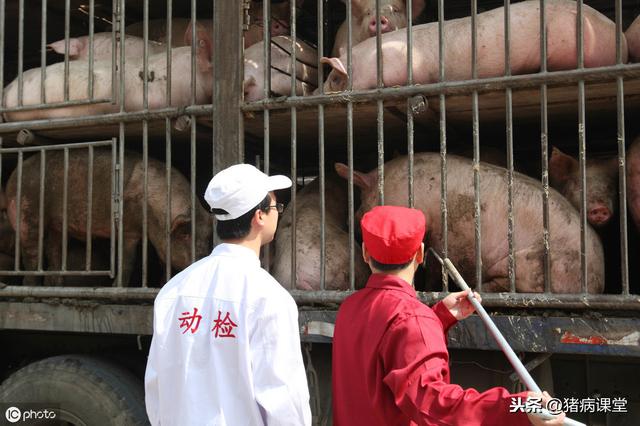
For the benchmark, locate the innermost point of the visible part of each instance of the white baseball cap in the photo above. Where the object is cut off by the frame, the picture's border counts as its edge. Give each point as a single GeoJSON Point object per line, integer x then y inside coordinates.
{"type": "Point", "coordinates": [239, 188]}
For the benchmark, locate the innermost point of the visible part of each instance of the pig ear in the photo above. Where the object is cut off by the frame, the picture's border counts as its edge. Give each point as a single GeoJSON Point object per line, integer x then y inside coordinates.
{"type": "Point", "coordinates": [561, 165]}
{"type": "Point", "coordinates": [417, 6]}
{"type": "Point", "coordinates": [363, 181]}
{"type": "Point", "coordinates": [75, 46]}
{"type": "Point", "coordinates": [204, 48]}
{"type": "Point", "coordinates": [181, 225]}
{"type": "Point", "coordinates": [342, 52]}
{"type": "Point", "coordinates": [335, 63]}
{"type": "Point", "coordinates": [356, 5]}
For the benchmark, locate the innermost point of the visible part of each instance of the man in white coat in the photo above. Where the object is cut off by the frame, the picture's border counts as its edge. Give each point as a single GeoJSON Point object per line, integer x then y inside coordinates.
{"type": "Point", "coordinates": [226, 348]}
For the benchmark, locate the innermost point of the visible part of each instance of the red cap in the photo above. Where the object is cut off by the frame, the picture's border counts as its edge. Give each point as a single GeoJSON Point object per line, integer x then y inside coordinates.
{"type": "Point", "coordinates": [392, 234]}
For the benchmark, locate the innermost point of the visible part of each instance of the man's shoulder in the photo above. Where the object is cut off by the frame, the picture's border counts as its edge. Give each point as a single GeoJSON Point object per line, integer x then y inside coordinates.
{"type": "Point", "coordinates": [270, 287]}
{"type": "Point", "coordinates": [396, 306]}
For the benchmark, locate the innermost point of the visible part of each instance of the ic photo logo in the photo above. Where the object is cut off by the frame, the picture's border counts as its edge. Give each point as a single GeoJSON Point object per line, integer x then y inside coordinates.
{"type": "Point", "coordinates": [13, 414]}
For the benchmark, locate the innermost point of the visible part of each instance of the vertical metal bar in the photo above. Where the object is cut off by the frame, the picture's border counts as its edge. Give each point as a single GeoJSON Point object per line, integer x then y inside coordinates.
{"type": "Point", "coordinates": [349, 46]}
{"type": "Point", "coordinates": [16, 254]}
{"type": "Point", "coordinates": [43, 171]}
{"type": "Point", "coordinates": [20, 51]}
{"type": "Point", "coordinates": [350, 195]}
{"type": "Point", "coordinates": [321, 160]}
{"type": "Point", "coordinates": [65, 208]}
{"type": "Point", "coordinates": [168, 142]}
{"type": "Point", "coordinates": [380, 147]}
{"type": "Point", "coordinates": [89, 232]}
{"type": "Point", "coordinates": [350, 146]}
{"type": "Point", "coordinates": [120, 164]}
{"type": "Point", "coordinates": [194, 228]}
{"type": "Point", "coordinates": [145, 56]}
{"type": "Point", "coordinates": [194, 44]}
{"type": "Point", "coordinates": [67, 28]}
{"type": "Point", "coordinates": [380, 106]}
{"type": "Point", "coordinates": [2, 29]}
{"type": "Point", "coordinates": [91, 48]}
{"type": "Point", "coordinates": [476, 145]}
{"type": "Point", "coordinates": [443, 144]}
{"type": "Point", "coordinates": [409, 109]}
{"type": "Point", "coordinates": [169, 32]}
{"type": "Point", "coordinates": [582, 152]}
{"type": "Point", "coordinates": [227, 84]}
{"type": "Point", "coordinates": [294, 178]}
{"type": "Point", "coordinates": [509, 129]}
{"type": "Point", "coordinates": [294, 147]}
{"type": "Point", "coordinates": [167, 217]}
{"type": "Point", "coordinates": [266, 28]}
{"type": "Point", "coordinates": [544, 146]}
{"type": "Point", "coordinates": [43, 50]}
{"type": "Point", "coordinates": [622, 174]}
{"type": "Point", "coordinates": [145, 202]}
{"type": "Point", "coordinates": [112, 233]}
{"type": "Point", "coordinates": [115, 35]}
{"type": "Point", "coordinates": [145, 143]}
{"type": "Point", "coordinates": [379, 72]}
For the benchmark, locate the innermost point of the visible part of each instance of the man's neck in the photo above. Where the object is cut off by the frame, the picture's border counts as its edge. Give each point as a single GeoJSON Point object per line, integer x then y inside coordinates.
{"type": "Point", "coordinates": [406, 274]}
{"type": "Point", "coordinates": [253, 244]}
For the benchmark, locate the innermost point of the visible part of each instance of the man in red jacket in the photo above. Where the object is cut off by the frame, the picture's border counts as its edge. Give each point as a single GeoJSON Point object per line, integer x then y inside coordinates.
{"type": "Point", "coordinates": [390, 359]}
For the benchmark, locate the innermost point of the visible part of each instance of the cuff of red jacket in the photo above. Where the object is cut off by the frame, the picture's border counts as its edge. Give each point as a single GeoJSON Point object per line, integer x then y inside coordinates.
{"type": "Point", "coordinates": [444, 315]}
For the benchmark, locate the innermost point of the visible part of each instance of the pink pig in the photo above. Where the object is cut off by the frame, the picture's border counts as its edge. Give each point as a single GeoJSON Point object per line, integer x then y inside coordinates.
{"type": "Point", "coordinates": [599, 47]}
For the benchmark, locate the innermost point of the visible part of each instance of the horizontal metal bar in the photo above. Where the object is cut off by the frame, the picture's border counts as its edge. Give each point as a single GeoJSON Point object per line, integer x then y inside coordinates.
{"type": "Point", "coordinates": [462, 87]}
{"type": "Point", "coordinates": [47, 273]}
{"type": "Point", "coordinates": [493, 300]}
{"type": "Point", "coordinates": [142, 294]}
{"type": "Point", "coordinates": [54, 105]}
{"type": "Point", "coordinates": [54, 273]}
{"type": "Point", "coordinates": [497, 300]}
{"type": "Point", "coordinates": [115, 118]}
{"type": "Point", "coordinates": [55, 147]}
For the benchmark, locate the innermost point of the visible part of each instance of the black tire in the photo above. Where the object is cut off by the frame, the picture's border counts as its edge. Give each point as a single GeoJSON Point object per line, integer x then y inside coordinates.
{"type": "Point", "coordinates": [87, 390]}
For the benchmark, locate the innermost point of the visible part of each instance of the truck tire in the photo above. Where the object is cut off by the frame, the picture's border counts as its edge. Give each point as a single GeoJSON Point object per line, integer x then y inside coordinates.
{"type": "Point", "coordinates": [87, 391]}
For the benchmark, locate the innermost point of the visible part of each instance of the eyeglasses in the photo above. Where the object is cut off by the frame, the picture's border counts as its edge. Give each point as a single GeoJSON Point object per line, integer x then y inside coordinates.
{"type": "Point", "coordinates": [279, 207]}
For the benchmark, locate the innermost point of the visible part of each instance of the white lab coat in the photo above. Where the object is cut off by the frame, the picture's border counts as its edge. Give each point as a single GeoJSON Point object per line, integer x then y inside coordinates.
{"type": "Point", "coordinates": [236, 360]}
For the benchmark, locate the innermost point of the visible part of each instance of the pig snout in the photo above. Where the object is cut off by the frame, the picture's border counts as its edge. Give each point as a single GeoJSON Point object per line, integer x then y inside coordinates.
{"type": "Point", "coordinates": [385, 26]}
{"type": "Point", "coordinates": [278, 27]}
{"type": "Point", "coordinates": [599, 215]}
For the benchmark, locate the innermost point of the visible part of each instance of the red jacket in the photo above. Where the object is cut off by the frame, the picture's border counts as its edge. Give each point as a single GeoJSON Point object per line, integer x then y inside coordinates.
{"type": "Point", "coordinates": [391, 365]}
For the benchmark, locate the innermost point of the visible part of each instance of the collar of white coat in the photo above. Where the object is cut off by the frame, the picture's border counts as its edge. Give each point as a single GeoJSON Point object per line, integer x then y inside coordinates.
{"type": "Point", "coordinates": [236, 250]}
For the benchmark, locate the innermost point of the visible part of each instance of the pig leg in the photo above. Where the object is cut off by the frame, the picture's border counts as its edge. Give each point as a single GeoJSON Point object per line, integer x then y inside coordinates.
{"type": "Point", "coordinates": [129, 250]}
{"type": "Point", "coordinates": [28, 237]}
{"type": "Point", "coordinates": [53, 247]}
{"type": "Point", "coordinates": [529, 270]}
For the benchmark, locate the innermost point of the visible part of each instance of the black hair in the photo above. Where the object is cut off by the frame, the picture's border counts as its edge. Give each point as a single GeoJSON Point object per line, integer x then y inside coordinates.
{"type": "Point", "coordinates": [387, 267]}
{"type": "Point", "coordinates": [241, 226]}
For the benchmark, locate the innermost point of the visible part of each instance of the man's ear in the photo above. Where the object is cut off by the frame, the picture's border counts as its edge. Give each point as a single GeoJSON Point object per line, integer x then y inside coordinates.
{"type": "Point", "coordinates": [258, 218]}
{"type": "Point", "coordinates": [365, 254]}
{"type": "Point", "coordinates": [420, 255]}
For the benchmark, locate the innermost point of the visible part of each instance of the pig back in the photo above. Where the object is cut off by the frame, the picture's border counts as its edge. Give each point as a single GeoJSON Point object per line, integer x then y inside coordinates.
{"type": "Point", "coordinates": [528, 227]}
{"type": "Point", "coordinates": [77, 191]}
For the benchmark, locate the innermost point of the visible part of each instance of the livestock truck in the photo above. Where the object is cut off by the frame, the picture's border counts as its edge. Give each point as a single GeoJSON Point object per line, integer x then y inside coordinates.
{"type": "Point", "coordinates": [124, 143]}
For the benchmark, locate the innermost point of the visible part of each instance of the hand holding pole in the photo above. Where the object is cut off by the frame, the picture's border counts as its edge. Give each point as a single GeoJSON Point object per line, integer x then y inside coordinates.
{"type": "Point", "coordinates": [499, 338]}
